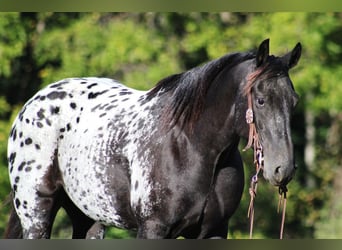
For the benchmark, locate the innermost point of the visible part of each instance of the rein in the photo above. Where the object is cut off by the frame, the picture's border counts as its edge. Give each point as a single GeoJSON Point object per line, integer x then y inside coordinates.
{"type": "Point", "coordinates": [253, 140]}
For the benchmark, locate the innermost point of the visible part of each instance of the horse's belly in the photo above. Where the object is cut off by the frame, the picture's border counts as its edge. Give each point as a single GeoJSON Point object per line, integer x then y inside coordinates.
{"type": "Point", "coordinates": [93, 201]}
{"type": "Point", "coordinates": [95, 184]}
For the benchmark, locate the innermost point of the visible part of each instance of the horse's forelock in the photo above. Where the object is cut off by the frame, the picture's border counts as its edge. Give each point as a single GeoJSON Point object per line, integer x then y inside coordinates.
{"type": "Point", "coordinates": [251, 79]}
{"type": "Point", "coordinates": [270, 69]}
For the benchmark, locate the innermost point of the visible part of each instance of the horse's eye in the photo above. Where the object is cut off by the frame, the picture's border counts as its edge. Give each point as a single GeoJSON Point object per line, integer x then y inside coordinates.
{"type": "Point", "coordinates": [261, 101]}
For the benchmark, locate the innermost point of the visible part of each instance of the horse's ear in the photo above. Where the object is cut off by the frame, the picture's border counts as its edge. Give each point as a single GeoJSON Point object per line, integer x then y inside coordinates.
{"type": "Point", "coordinates": [291, 58]}
{"type": "Point", "coordinates": [263, 52]}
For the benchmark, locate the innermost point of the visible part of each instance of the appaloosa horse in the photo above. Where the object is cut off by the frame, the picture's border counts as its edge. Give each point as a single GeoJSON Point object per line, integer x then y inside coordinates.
{"type": "Point", "coordinates": [164, 162]}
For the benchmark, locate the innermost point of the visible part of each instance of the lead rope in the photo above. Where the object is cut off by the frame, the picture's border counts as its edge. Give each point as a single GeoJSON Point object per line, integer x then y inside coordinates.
{"type": "Point", "coordinates": [252, 193]}
{"type": "Point", "coordinates": [259, 163]}
{"type": "Point", "coordinates": [253, 138]}
{"type": "Point", "coordinates": [282, 201]}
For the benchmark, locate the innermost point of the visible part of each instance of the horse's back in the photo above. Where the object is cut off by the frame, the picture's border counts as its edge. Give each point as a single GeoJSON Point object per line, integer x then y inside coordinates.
{"type": "Point", "coordinates": [54, 113]}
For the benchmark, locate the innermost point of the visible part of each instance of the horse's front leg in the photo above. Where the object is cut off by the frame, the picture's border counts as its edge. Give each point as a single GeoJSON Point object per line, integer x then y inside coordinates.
{"type": "Point", "coordinates": [153, 229]}
{"type": "Point", "coordinates": [225, 198]}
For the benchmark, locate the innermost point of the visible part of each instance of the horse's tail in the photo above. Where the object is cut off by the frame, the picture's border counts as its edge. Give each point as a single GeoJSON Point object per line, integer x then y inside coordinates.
{"type": "Point", "coordinates": [13, 229]}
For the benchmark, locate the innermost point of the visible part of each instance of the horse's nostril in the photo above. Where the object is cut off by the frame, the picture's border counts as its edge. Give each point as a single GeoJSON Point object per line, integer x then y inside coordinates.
{"type": "Point", "coordinates": [277, 170]}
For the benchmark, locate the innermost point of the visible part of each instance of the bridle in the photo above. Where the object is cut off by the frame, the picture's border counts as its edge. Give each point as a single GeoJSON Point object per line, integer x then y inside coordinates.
{"type": "Point", "coordinates": [253, 140]}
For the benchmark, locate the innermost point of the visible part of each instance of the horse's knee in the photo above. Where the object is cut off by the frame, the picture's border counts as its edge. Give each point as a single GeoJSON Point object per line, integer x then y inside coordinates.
{"type": "Point", "coordinates": [38, 230]}
{"type": "Point", "coordinates": [153, 230]}
{"type": "Point", "coordinates": [35, 234]}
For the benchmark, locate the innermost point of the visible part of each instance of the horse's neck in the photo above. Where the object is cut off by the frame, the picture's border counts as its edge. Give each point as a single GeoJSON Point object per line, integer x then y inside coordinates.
{"type": "Point", "coordinates": [224, 116]}
{"type": "Point", "coordinates": [215, 129]}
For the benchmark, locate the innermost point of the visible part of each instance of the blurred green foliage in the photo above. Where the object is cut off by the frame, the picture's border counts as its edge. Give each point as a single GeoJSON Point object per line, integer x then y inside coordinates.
{"type": "Point", "coordinates": [139, 49]}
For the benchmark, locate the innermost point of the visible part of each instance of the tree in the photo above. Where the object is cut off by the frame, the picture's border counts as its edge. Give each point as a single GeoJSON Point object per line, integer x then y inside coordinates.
{"type": "Point", "coordinates": [139, 49]}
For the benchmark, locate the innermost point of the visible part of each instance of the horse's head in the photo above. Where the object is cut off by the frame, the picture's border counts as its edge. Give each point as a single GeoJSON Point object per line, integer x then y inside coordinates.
{"type": "Point", "coordinates": [273, 99]}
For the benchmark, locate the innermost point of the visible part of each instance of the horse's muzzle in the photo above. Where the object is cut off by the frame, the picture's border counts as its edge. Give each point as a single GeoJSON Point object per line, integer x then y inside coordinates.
{"type": "Point", "coordinates": [281, 175]}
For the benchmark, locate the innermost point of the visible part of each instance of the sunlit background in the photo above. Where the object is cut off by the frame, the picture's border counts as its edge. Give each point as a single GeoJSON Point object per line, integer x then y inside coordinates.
{"type": "Point", "coordinates": [139, 49]}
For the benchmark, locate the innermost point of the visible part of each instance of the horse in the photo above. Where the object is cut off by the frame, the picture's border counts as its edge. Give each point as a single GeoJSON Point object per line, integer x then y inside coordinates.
{"type": "Point", "coordinates": [163, 162]}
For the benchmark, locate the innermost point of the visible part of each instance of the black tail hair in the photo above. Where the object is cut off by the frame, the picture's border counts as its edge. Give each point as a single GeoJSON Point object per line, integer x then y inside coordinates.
{"type": "Point", "coordinates": [13, 229]}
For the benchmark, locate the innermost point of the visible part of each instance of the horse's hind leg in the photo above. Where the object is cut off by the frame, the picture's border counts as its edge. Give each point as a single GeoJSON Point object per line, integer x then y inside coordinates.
{"type": "Point", "coordinates": [83, 226]}
{"type": "Point", "coordinates": [37, 223]}
{"type": "Point", "coordinates": [35, 193]}
{"type": "Point", "coordinates": [42, 220]}
{"type": "Point", "coordinates": [96, 231]}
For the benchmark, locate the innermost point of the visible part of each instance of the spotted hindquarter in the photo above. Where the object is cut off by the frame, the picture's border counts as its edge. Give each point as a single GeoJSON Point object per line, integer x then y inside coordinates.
{"type": "Point", "coordinates": [66, 137]}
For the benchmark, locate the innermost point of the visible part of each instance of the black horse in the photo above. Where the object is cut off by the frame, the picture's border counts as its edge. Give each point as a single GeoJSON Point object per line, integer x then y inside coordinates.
{"type": "Point", "coordinates": [164, 162]}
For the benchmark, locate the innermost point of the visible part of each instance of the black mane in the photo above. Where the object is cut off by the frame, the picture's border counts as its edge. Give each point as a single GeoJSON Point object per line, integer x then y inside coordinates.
{"type": "Point", "coordinates": [188, 89]}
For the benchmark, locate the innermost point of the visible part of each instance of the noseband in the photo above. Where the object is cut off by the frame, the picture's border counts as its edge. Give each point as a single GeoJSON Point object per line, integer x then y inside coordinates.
{"type": "Point", "coordinates": [253, 140]}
